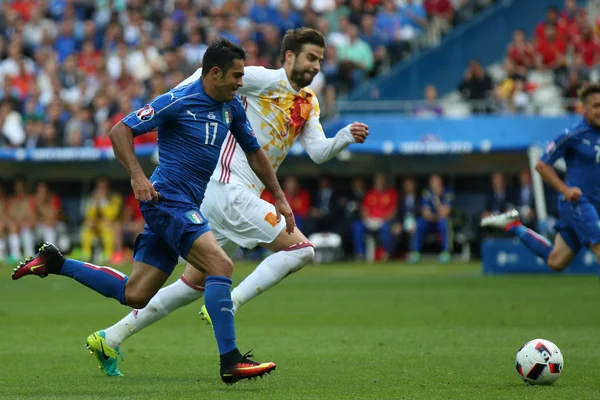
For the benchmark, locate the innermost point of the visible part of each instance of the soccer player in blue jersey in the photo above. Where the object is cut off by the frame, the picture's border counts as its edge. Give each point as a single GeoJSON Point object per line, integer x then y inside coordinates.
{"type": "Point", "coordinates": [436, 207]}
{"type": "Point", "coordinates": [579, 200]}
{"type": "Point", "coordinates": [192, 121]}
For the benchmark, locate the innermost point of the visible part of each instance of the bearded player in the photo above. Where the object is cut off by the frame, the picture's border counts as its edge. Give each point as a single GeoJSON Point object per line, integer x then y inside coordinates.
{"type": "Point", "coordinates": [281, 109]}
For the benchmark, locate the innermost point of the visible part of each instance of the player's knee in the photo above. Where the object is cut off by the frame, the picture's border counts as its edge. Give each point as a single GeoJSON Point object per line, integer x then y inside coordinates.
{"type": "Point", "coordinates": [306, 254]}
{"type": "Point", "coordinates": [556, 262]}
{"type": "Point", "coordinates": [223, 266]}
{"type": "Point", "coordinates": [137, 299]}
{"type": "Point", "coordinates": [303, 256]}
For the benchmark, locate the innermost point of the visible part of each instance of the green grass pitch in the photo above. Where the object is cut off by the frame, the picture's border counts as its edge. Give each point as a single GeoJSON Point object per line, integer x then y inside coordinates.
{"type": "Point", "coordinates": [345, 331]}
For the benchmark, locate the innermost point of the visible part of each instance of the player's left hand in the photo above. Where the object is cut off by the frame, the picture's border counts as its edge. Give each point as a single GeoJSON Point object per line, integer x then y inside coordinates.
{"type": "Point", "coordinates": [359, 131]}
{"type": "Point", "coordinates": [283, 208]}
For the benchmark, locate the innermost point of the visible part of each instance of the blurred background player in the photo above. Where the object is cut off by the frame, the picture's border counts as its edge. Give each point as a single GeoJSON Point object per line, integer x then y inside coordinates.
{"type": "Point", "coordinates": [21, 217]}
{"type": "Point", "coordinates": [579, 200]}
{"type": "Point", "coordinates": [101, 221]}
{"type": "Point", "coordinates": [132, 222]}
{"type": "Point", "coordinates": [49, 226]}
{"type": "Point", "coordinates": [378, 209]}
{"type": "Point", "coordinates": [436, 208]}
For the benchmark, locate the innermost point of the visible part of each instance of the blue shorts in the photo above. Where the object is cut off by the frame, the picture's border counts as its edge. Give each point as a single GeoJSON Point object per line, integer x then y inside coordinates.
{"type": "Point", "coordinates": [172, 226]}
{"type": "Point", "coordinates": [579, 223]}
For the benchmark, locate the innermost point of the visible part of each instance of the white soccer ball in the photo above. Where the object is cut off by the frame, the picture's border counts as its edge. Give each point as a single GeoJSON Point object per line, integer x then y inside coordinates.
{"type": "Point", "coordinates": [539, 362]}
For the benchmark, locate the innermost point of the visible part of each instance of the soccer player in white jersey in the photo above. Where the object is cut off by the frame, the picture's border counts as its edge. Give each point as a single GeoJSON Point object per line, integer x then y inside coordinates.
{"type": "Point", "coordinates": [281, 109]}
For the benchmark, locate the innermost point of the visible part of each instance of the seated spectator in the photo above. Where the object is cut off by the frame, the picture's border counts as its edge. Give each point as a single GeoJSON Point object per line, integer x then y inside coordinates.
{"type": "Point", "coordinates": [405, 226]}
{"type": "Point", "coordinates": [436, 207]}
{"type": "Point", "coordinates": [378, 209]}
{"type": "Point", "coordinates": [521, 52]}
{"type": "Point", "coordinates": [571, 91]}
{"type": "Point", "coordinates": [551, 50]}
{"type": "Point", "coordinates": [588, 47]}
{"type": "Point", "coordinates": [498, 200]}
{"type": "Point", "coordinates": [441, 13]}
{"type": "Point", "coordinates": [552, 18]}
{"type": "Point", "coordinates": [476, 86]}
{"type": "Point", "coordinates": [525, 199]}
{"type": "Point", "coordinates": [371, 35]}
{"type": "Point", "coordinates": [413, 19]}
{"type": "Point", "coordinates": [132, 224]}
{"type": "Point", "coordinates": [21, 217]}
{"type": "Point", "coordinates": [325, 210]}
{"type": "Point", "coordinates": [49, 227]}
{"type": "Point", "coordinates": [356, 58]}
{"type": "Point", "coordinates": [388, 22]}
{"type": "Point", "coordinates": [349, 203]}
{"type": "Point", "coordinates": [569, 15]}
{"type": "Point", "coordinates": [431, 108]}
{"type": "Point", "coordinates": [12, 132]}
{"type": "Point", "coordinates": [101, 220]}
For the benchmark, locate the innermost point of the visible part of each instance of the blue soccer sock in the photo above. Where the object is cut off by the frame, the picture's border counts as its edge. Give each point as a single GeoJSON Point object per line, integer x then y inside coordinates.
{"type": "Point", "coordinates": [104, 280]}
{"type": "Point", "coordinates": [217, 297]}
{"type": "Point", "coordinates": [535, 242]}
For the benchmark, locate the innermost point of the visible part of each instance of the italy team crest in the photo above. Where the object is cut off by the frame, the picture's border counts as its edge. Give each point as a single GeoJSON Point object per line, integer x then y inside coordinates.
{"type": "Point", "coordinates": [227, 116]}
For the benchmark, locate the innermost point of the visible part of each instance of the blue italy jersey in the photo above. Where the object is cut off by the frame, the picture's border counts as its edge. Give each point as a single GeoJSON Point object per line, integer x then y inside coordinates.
{"type": "Point", "coordinates": [191, 129]}
{"type": "Point", "coordinates": [428, 199]}
{"type": "Point", "coordinates": [580, 148]}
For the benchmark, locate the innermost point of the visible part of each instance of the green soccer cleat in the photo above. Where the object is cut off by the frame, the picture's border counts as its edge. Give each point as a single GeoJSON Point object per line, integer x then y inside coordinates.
{"type": "Point", "coordinates": [205, 316]}
{"type": "Point", "coordinates": [414, 257]}
{"type": "Point", "coordinates": [107, 357]}
{"type": "Point", "coordinates": [445, 257]}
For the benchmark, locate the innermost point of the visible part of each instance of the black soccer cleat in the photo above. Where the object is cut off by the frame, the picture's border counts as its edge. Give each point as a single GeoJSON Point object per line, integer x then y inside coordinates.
{"type": "Point", "coordinates": [245, 368]}
{"type": "Point", "coordinates": [48, 260]}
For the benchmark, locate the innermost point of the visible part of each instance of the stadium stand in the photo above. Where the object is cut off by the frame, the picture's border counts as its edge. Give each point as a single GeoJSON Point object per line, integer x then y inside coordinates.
{"type": "Point", "coordinates": [69, 70]}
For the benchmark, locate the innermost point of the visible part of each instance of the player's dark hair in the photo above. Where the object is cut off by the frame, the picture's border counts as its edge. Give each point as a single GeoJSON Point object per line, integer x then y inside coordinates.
{"type": "Point", "coordinates": [295, 39]}
{"type": "Point", "coordinates": [587, 91]}
{"type": "Point", "coordinates": [221, 54]}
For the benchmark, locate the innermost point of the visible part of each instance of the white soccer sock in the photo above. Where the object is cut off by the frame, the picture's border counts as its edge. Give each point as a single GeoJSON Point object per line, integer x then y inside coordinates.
{"type": "Point", "coordinates": [28, 242]}
{"type": "Point", "coordinates": [271, 271]}
{"type": "Point", "coordinates": [49, 234]}
{"type": "Point", "coordinates": [2, 248]}
{"type": "Point", "coordinates": [168, 299]}
{"type": "Point", "coordinates": [15, 245]}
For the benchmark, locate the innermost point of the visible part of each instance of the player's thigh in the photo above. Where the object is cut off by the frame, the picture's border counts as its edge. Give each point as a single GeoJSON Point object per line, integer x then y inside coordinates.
{"type": "Point", "coordinates": [208, 257]}
{"type": "Point", "coordinates": [197, 277]}
{"type": "Point", "coordinates": [145, 281]}
{"type": "Point", "coordinates": [564, 250]}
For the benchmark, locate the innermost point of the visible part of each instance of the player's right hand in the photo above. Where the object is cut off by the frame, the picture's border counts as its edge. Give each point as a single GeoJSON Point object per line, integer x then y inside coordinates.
{"type": "Point", "coordinates": [283, 208]}
{"type": "Point", "coordinates": [572, 194]}
{"type": "Point", "coordinates": [143, 189]}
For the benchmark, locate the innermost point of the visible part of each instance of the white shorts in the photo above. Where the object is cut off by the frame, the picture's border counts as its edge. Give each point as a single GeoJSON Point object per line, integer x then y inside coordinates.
{"type": "Point", "coordinates": [238, 217]}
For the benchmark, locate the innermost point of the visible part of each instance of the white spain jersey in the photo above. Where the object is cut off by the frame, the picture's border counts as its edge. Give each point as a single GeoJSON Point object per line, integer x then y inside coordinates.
{"type": "Point", "coordinates": [278, 115]}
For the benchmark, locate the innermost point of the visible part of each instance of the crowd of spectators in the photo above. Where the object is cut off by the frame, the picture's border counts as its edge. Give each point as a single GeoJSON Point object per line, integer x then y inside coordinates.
{"type": "Point", "coordinates": [70, 69]}
{"type": "Point", "coordinates": [555, 61]}
{"type": "Point", "coordinates": [403, 218]}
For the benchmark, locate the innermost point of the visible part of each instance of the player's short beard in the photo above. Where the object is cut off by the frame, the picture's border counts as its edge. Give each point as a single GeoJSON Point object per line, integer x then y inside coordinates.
{"type": "Point", "coordinates": [298, 77]}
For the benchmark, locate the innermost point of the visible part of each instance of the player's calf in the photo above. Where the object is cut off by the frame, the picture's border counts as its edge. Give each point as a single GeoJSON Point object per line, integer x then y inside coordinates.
{"type": "Point", "coordinates": [557, 261]}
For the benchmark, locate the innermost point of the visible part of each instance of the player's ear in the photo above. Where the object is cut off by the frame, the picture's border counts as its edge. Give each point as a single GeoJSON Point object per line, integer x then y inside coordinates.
{"type": "Point", "coordinates": [216, 73]}
{"type": "Point", "coordinates": [290, 56]}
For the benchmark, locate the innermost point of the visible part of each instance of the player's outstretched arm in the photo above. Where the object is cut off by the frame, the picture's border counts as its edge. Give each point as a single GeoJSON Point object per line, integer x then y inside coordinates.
{"type": "Point", "coordinates": [121, 137]}
{"type": "Point", "coordinates": [322, 149]}
{"type": "Point", "coordinates": [262, 168]}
